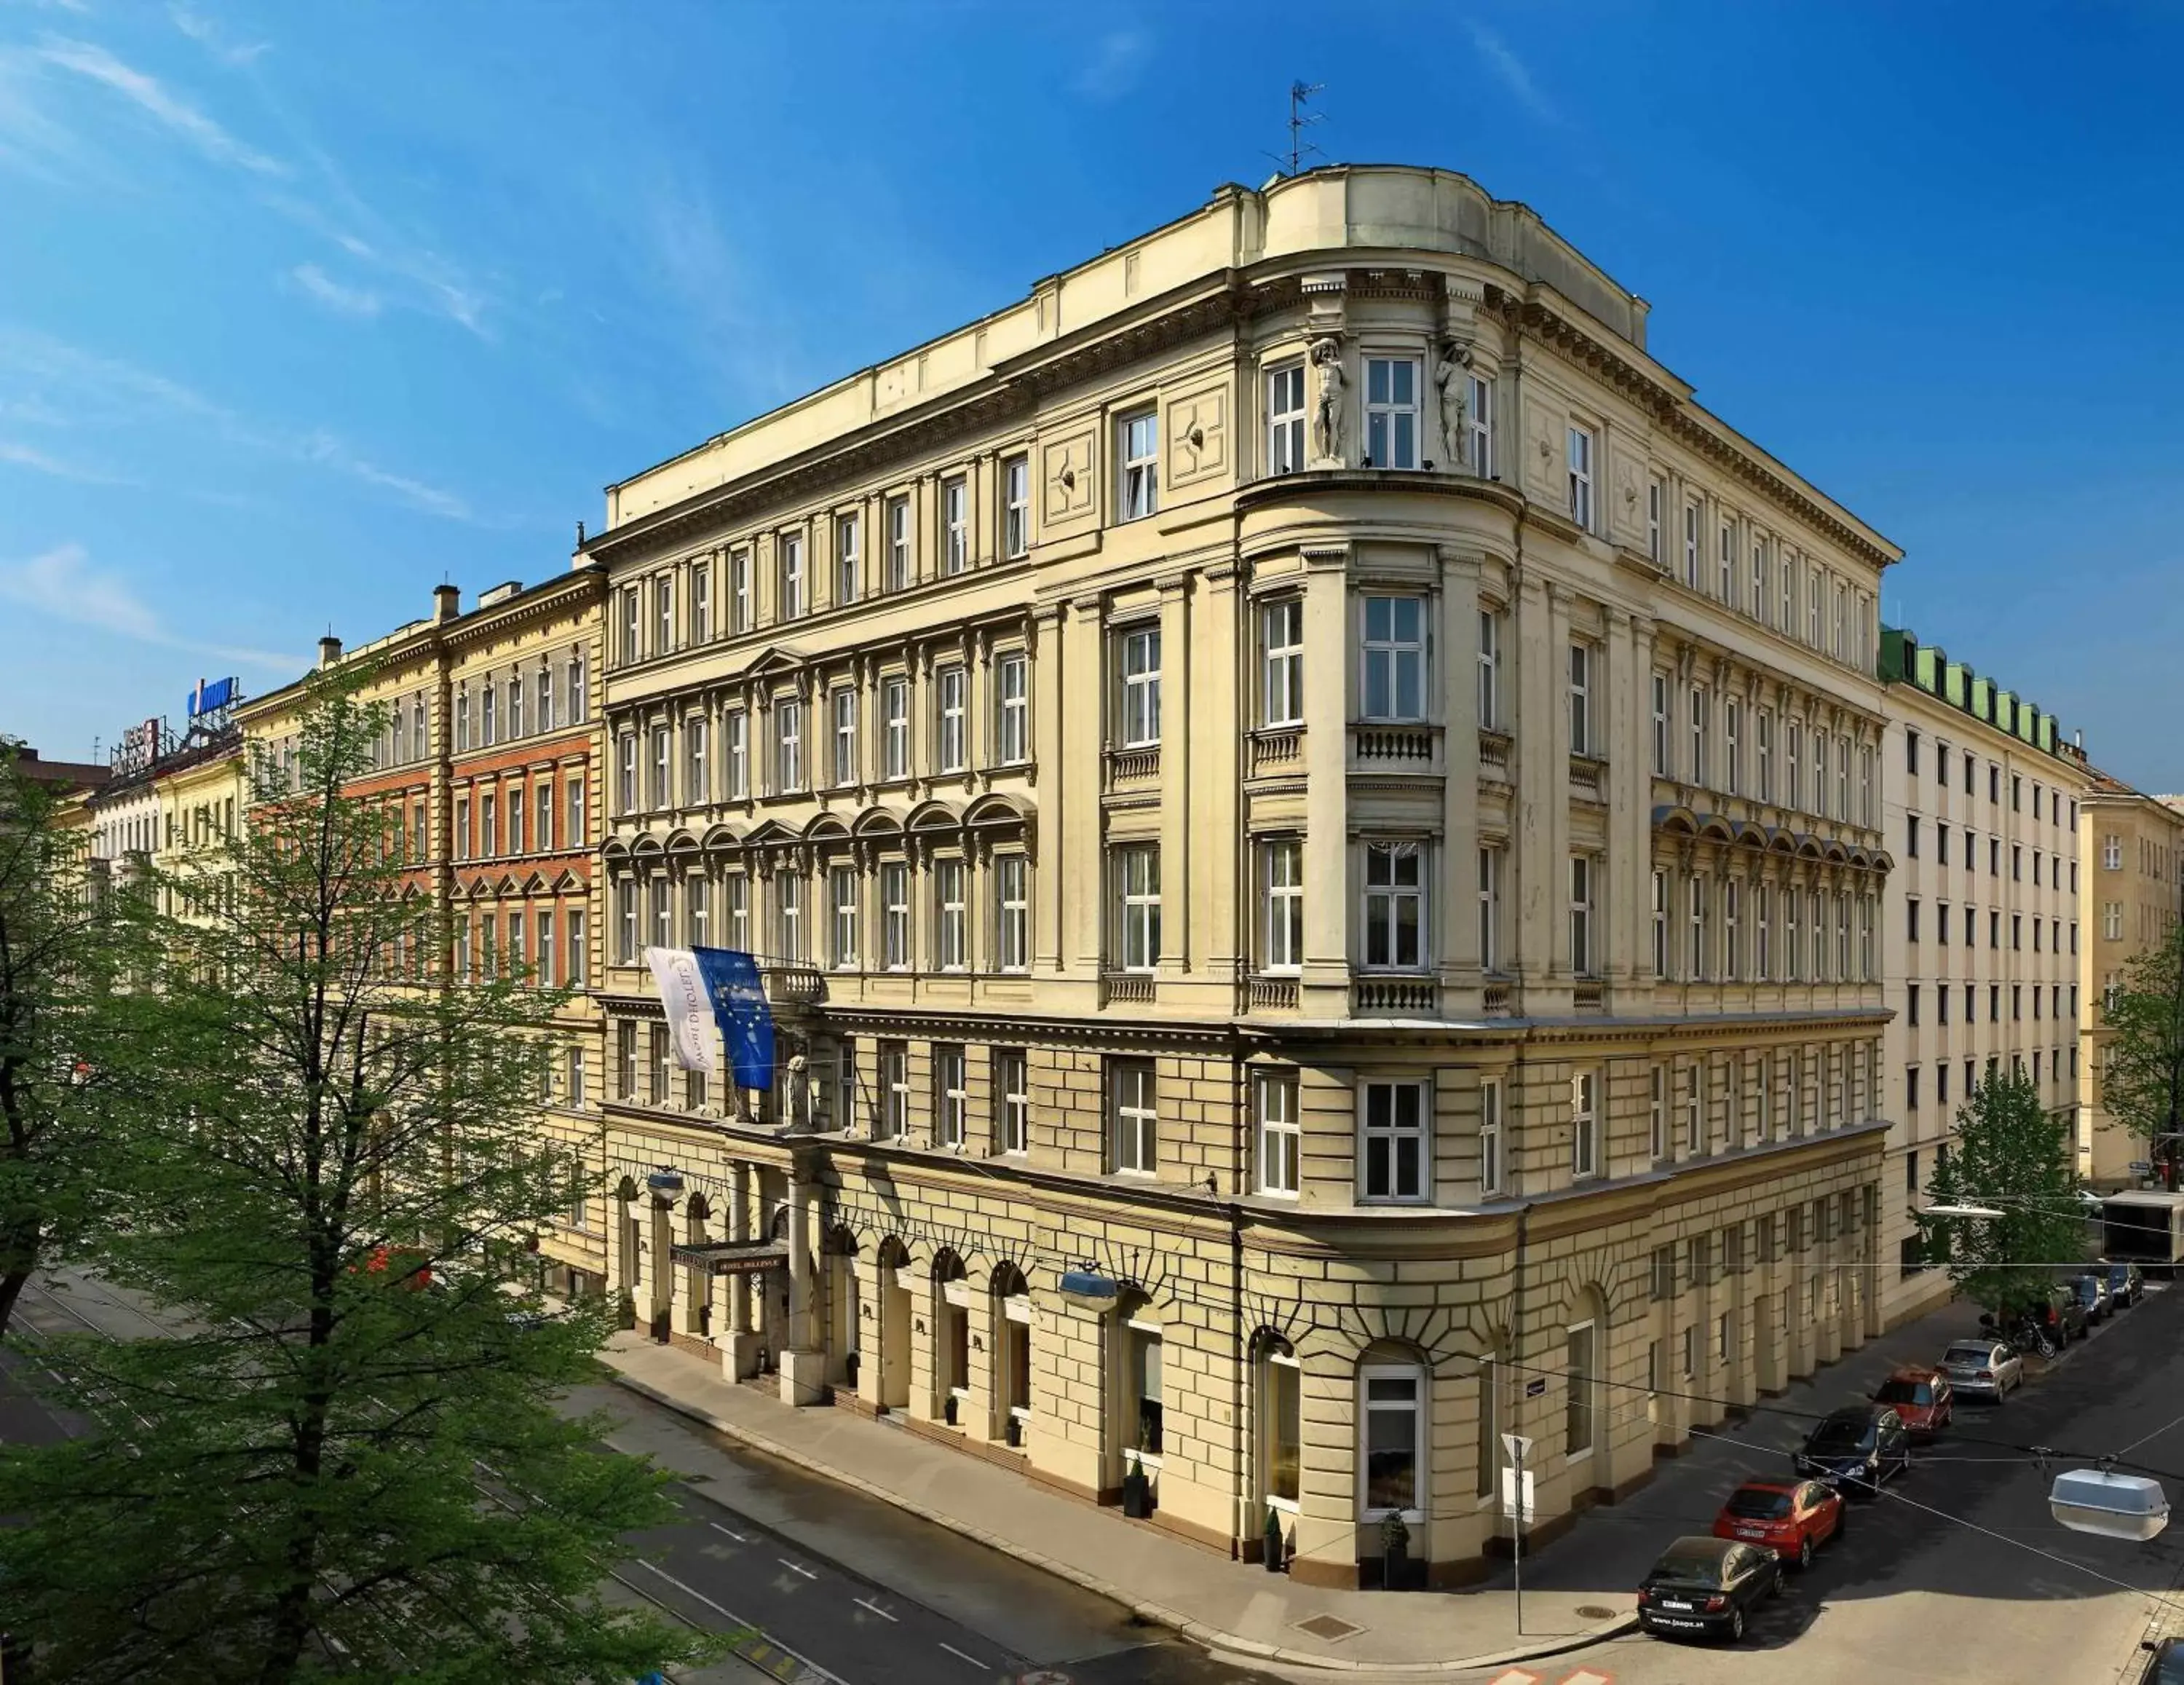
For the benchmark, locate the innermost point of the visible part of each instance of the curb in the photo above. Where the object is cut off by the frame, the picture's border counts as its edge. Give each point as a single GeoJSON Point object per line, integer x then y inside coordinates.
{"type": "Point", "coordinates": [1212, 1638]}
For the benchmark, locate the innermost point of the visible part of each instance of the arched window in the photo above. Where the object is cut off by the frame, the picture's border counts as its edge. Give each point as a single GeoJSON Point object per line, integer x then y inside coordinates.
{"type": "Point", "coordinates": [1012, 1338]}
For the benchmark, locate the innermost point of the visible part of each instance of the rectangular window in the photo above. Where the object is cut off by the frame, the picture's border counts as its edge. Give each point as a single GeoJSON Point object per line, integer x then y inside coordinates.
{"type": "Point", "coordinates": [1702, 724]}
{"type": "Point", "coordinates": [1490, 909]}
{"type": "Point", "coordinates": [1762, 925]}
{"type": "Point", "coordinates": [1012, 925]}
{"type": "Point", "coordinates": [1732, 945]}
{"type": "Point", "coordinates": [1393, 664]}
{"type": "Point", "coordinates": [1577, 1410]}
{"type": "Point", "coordinates": [1012, 692]}
{"type": "Point", "coordinates": [789, 905]}
{"type": "Point", "coordinates": [697, 762]}
{"type": "Point", "coordinates": [792, 599]}
{"type": "Point", "coordinates": [1656, 542]}
{"type": "Point", "coordinates": [1479, 422]}
{"type": "Point", "coordinates": [541, 810]}
{"type": "Point", "coordinates": [1695, 1130]}
{"type": "Point", "coordinates": [893, 1122]}
{"type": "Point", "coordinates": [1393, 1430]}
{"type": "Point", "coordinates": [848, 558]}
{"type": "Point", "coordinates": [1281, 662]}
{"type": "Point", "coordinates": [701, 606]}
{"type": "Point", "coordinates": [950, 930]}
{"type": "Point", "coordinates": [1489, 1137]}
{"type": "Point", "coordinates": [1692, 518]}
{"type": "Point", "coordinates": [1280, 1134]}
{"type": "Point", "coordinates": [697, 907]}
{"type": "Point", "coordinates": [1012, 1097]}
{"type": "Point", "coordinates": [1489, 670]}
{"type": "Point", "coordinates": [1729, 563]}
{"type": "Point", "coordinates": [1391, 412]}
{"type": "Point", "coordinates": [894, 727]}
{"type": "Point", "coordinates": [951, 1096]}
{"type": "Point", "coordinates": [1664, 729]}
{"type": "Point", "coordinates": [736, 746]}
{"type": "Point", "coordinates": [1285, 419]}
{"type": "Point", "coordinates": [1660, 924]}
{"type": "Point", "coordinates": [662, 792]}
{"type": "Point", "coordinates": [895, 915]}
{"type": "Point", "coordinates": [1584, 1124]}
{"type": "Point", "coordinates": [843, 704]}
{"type": "Point", "coordinates": [631, 641]}
{"type": "Point", "coordinates": [1140, 441]}
{"type": "Point", "coordinates": [737, 898]}
{"type": "Point", "coordinates": [951, 688]}
{"type": "Point", "coordinates": [486, 698]}
{"type": "Point", "coordinates": [1138, 906]}
{"type": "Point", "coordinates": [1134, 1124]}
{"type": "Point", "coordinates": [1580, 699]}
{"type": "Point", "coordinates": [1281, 871]}
{"type": "Point", "coordinates": [1393, 1143]}
{"type": "Point", "coordinates": [1581, 444]}
{"type": "Point", "coordinates": [489, 826]}
{"type": "Point", "coordinates": [842, 892]}
{"type": "Point", "coordinates": [1583, 960]}
{"type": "Point", "coordinates": [1016, 507]}
{"type": "Point", "coordinates": [955, 526]}
{"type": "Point", "coordinates": [1395, 904]}
{"type": "Point", "coordinates": [740, 613]}
{"type": "Point", "coordinates": [663, 619]}
{"type": "Point", "coordinates": [662, 925]}
{"type": "Point", "coordinates": [1763, 728]}
{"type": "Point", "coordinates": [1732, 744]}
{"type": "Point", "coordinates": [788, 745]}
{"type": "Point", "coordinates": [1657, 1121]}
{"type": "Point", "coordinates": [1695, 914]}
{"type": "Point", "coordinates": [1141, 687]}
{"type": "Point", "coordinates": [1758, 604]}
{"type": "Point", "coordinates": [547, 956]}
{"type": "Point", "coordinates": [897, 577]}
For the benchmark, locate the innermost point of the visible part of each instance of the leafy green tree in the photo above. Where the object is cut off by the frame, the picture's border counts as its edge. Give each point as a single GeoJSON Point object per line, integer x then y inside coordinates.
{"type": "Point", "coordinates": [2143, 1076]}
{"type": "Point", "coordinates": [2012, 1156]}
{"type": "Point", "coordinates": [63, 947]}
{"type": "Point", "coordinates": [346, 1461]}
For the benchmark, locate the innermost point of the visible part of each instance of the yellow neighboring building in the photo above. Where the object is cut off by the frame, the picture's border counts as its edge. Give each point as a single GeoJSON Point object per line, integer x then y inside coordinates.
{"type": "Point", "coordinates": [203, 792]}
{"type": "Point", "coordinates": [1313, 827]}
{"type": "Point", "coordinates": [2130, 850]}
{"type": "Point", "coordinates": [486, 771]}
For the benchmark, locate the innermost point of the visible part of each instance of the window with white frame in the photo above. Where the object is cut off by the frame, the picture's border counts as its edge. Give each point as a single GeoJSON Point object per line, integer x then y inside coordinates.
{"type": "Point", "coordinates": [895, 915]}
{"type": "Point", "coordinates": [896, 577]}
{"type": "Point", "coordinates": [1491, 859]}
{"type": "Point", "coordinates": [1756, 606]}
{"type": "Point", "coordinates": [1788, 572]}
{"type": "Point", "coordinates": [1281, 1136]}
{"type": "Point", "coordinates": [1140, 486]}
{"type": "Point", "coordinates": [792, 597]}
{"type": "Point", "coordinates": [1655, 540]}
{"type": "Point", "coordinates": [1762, 928]}
{"type": "Point", "coordinates": [1732, 933]}
{"type": "Point", "coordinates": [842, 891]}
{"type": "Point", "coordinates": [848, 558]}
{"type": "Point", "coordinates": [1583, 961]}
{"type": "Point", "coordinates": [625, 773]}
{"type": "Point", "coordinates": [1489, 1137]}
{"type": "Point", "coordinates": [1581, 660]}
{"type": "Point", "coordinates": [1138, 906]}
{"type": "Point", "coordinates": [1657, 1113]}
{"type": "Point", "coordinates": [1764, 737]}
{"type": "Point", "coordinates": [1819, 760]}
{"type": "Point", "coordinates": [1391, 412]}
{"type": "Point", "coordinates": [663, 767]}
{"type": "Point", "coordinates": [1692, 517]}
{"type": "Point", "coordinates": [741, 612]}
{"type": "Point", "coordinates": [736, 751]}
{"type": "Point", "coordinates": [1392, 667]}
{"type": "Point", "coordinates": [895, 1091]}
{"type": "Point", "coordinates": [1729, 563]}
{"type": "Point", "coordinates": [1016, 507]}
{"type": "Point", "coordinates": [1732, 744]}
{"type": "Point", "coordinates": [1816, 599]}
{"type": "Point", "coordinates": [1281, 877]}
{"type": "Point", "coordinates": [487, 698]}
{"type": "Point", "coordinates": [662, 922]}
{"type": "Point", "coordinates": [844, 1102]}
{"type": "Point", "coordinates": [701, 607]}
{"type": "Point", "coordinates": [951, 705]}
{"type": "Point", "coordinates": [1392, 1425]}
{"type": "Point", "coordinates": [1281, 662]}
{"type": "Point", "coordinates": [697, 910]}
{"type": "Point", "coordinates": [1660, 904]}
{"type": "Point", "coordinates": [736, 894]}
{"type": "Point", "coordinates": [1285, 419]}
{"type": "Point", "coordinates": [1013, 1099]}
{"type": "Point", "coordinates": [548, 956]}
{"type": "Point", "coordinates": [2112, 852]}
{"type": "Point", "coordinates": [1584, 1124]}
{"type": "Point", "coordinates": [1479, 421]}
{"type": "Point", "coordinates": [894, 726]}
{"type": "Point", "coordinates": [955, 526]}
{"type": "Point", "coordinates": [842, 703]}
{"type": "Point", "coordinates": [788, 910]}
{"type": "Point", "coordinates": [1141, 686]}
{"type": "Point", "coordinates": [788, 743]}
{"type": "Point", "coordinates": [1578, 1409]}
{"type": "Point", "coordinates": [625, 922]}
{"type": "Point", "coordinates": [1694, 1129]}
{"type": "Point", "coordinates": [1865, 785]}
{"type": "Point", "coordinates": [1664, 727]}
{"type": "Point", "coordinates": [1133, 1121]}
{"type": "Point", "coordinates": [1489, 670]}
{"type": "Point", "coordinates": [1012, 700]}
{"type": "Point", "coordinates": [1392, 1146]}
{"type": "Point", "coordinates": [697, 762]}
{"type": "Point", "coordinates": [950, 935]}
{"type": "Point", "coordinates": [951, 1095]}
{"type": "Point", "coordinates": [577, 837]}
{"type": "Point", "coordinates": [1581, 449]}
{"type": "Point", "coordinates": [632, 650]}
{"type": "Point", "coordinates": [1695, 917]}
{"type": "Point", "coordinates": [1394, 905]}
{"type": "Point", "coordinates": [1701, 746]}
{"type": "Point", "coordinates": [1012, 913]}
{"type": "Point", "coordinates": [663, 619]}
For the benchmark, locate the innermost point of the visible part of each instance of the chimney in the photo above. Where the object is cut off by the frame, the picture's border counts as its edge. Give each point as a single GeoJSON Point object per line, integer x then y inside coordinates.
{"type": "Point", "coordinates": [447, 602]}
{"type": "Point", "coordinates": [329, 651]}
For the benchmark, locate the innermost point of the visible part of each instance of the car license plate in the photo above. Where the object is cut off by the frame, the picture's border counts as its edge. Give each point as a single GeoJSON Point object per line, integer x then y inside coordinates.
{"type": "Point", "coordinates": [1669, 1602]}
{"type": "Point", "coordinates": [1751, 1532]}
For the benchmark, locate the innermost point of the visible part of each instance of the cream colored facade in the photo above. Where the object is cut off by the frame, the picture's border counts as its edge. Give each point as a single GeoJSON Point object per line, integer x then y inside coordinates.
{"type": "Point", "coordinates": [1294, 773]}
{"type": "Point", "coordinates": [1984, 936]}
{"type": "Point", "coordinates": [2130, 853]}
{"type": "Point", "coordinates": [204, 794]}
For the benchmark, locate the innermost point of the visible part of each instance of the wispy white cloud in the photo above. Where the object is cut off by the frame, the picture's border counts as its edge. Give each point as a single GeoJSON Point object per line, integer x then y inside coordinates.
{"type": "Point", "coordinates": [324, 449]}
{"type": "Point", "coordinates": [63, 584]}
{"type": "Point", "coordinates": [1118, 59]}
{"type": "Point", "coordinates": [151, 97]}
{"type": "Point", "coordinates": [215, 40]}
{"type": "Point", "coordinates": [349, 301]}
{"type": "Point", "coordinates": [428, 280]}
{"type": "Point", "coordinates": [1511, 73]}
{"type": "Point", "coordinates": [44, 462]}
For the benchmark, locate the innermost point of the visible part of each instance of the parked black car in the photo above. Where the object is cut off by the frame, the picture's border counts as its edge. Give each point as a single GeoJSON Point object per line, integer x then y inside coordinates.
{"type": "Point", "coordinates": [2126, 1285]}
{"type": "Point", "coordinates": [2167, 1666]}
{"type": "Point", "coordinates": [1857, 1448]}
{"type": "Point", "coordinates": [2060, 1311]}
{"type": "Point", "coordinates": [1706, 1588]}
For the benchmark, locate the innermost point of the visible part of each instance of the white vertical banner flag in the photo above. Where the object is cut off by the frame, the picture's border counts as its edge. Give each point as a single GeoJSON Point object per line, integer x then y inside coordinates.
{"type": "Point", "coordinates": [688, 1008]}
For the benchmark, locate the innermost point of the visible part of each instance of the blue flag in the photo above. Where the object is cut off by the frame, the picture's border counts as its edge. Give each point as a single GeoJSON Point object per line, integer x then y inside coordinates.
{"type": "Point", "coordinates": [740, 1008]}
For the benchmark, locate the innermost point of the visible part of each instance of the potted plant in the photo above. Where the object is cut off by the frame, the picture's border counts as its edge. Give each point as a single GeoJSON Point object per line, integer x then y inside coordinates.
{"type": "Point", "coordinates": [1395, 1551]}
{"type": "Point", "coordinates": [1137, 1484]}
{"type": "Point", "coordinates": [1273, 1551]}
{"type": "Point", "coordinates": [626, 1311]}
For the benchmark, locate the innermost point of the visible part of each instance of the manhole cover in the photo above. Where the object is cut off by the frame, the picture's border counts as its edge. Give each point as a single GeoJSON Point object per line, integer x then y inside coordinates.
{"type": "Point", "coordinates": [1593, 1611]}
{"type": "Point", "coordinates": [1328, 1627]}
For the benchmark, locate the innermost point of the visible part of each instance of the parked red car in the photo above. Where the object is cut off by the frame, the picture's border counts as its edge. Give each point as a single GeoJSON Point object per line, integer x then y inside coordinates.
{"type": "Point", "coordinates": [1791, 1518]}
{"type": "Point", "coordinates": [1920, 1394]}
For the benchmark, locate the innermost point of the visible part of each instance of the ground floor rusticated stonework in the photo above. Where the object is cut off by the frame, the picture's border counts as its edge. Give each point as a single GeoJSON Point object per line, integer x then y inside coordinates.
{"type": "Point", "coordinates": [1326, 1360]}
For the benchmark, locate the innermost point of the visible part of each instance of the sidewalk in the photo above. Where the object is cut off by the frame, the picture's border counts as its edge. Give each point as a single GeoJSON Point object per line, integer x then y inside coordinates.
{"type": "Point", "coordinates": [1233, 1607]}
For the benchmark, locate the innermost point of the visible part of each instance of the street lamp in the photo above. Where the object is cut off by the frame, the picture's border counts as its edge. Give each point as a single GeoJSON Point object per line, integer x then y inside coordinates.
{"type": "Point", "coordinates": [2114, 1506]}
{"type": "Point", "coordinates": [1954, 1210]}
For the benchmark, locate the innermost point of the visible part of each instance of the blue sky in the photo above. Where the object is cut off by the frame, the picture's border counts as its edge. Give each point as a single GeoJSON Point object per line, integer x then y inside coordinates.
{"type": "Point", "coordinates": [305, 308]}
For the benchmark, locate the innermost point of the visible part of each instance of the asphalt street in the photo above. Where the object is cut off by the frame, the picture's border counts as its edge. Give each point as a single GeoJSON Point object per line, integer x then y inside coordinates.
{"type": "Point", "coordinates": [1957, 1573]}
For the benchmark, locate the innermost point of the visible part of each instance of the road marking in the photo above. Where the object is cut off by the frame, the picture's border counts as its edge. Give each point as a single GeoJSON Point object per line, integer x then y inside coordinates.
{"type": "Point", "coordinates": [757, 1640]}
{"type": "Point", "coordinates": [793, 1568]}
{"type": "Point", "coordinates": [1516, 1676]}
{"type": "Point", "coordinates": [959, 1655]}
{"type": "Point", "coordinates": [867, 1603]}
{"type": "Point", "coordinates": [740, 1538]}
{"type": "Point", "coordinates": [1585, 1675]}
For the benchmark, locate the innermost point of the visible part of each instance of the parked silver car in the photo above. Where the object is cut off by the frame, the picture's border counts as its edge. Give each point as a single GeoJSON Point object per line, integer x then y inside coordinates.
{"type": "Point", "coordinates": [1982, 1369]}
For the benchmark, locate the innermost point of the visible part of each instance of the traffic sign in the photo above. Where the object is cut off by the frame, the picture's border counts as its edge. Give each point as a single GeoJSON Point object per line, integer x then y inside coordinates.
{"type": "Point", "coordinates": [1517, 1446]}
{"type": "Point", "coordinates": [2139, 1167]}
{"type": "Point", "coordinates": [1519, 1506]}
{"type": "Point", "coordinates": [1536, 1389]}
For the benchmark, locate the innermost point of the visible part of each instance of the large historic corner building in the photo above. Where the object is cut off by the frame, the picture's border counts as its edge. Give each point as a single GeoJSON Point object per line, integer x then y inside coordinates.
{"type": "Point", "coordinates": [1314, 828]}
{"type": "Point", "coordinates": [2130, 845]}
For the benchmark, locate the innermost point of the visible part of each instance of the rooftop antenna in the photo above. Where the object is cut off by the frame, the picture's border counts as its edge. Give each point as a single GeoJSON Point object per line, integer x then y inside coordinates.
{"type": "Point", "coordinates": [1300, 93]}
